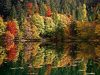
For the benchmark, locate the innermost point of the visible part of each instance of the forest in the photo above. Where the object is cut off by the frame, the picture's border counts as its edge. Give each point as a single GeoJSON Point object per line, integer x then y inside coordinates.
{"type": "Point", "coordinates": [49, 37]}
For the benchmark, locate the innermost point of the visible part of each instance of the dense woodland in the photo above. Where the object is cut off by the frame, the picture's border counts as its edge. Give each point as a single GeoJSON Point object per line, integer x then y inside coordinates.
{"type": "Point", "coordinates": [46, 18]}
{"type": "Point", "coordinates": [50, 37]}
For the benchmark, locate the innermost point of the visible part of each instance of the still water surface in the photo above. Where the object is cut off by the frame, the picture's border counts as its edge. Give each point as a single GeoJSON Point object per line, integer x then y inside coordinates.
{"type": "Point", "coordinates": [36, 58]}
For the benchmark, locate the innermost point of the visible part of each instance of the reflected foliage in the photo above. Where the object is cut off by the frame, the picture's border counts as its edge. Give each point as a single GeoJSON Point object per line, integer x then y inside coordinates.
{"type": "Point", "coordinates": [78, 58]}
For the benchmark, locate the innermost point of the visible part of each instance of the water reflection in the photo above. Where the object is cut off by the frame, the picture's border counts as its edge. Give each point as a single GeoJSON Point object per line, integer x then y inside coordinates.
{"type": "Point", "coordinates": [36, 58]}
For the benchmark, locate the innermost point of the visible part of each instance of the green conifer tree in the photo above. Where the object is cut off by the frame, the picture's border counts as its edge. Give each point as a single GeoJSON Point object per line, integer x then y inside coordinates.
{"type": "Point", "coordinates": [13, 13]}
{"type": "Point", "coordinates": [41, 8]}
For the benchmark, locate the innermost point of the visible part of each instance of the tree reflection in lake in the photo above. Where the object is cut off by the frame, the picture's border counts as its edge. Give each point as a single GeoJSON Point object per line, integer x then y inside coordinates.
{"type": "Point", "coordinates": [72, 58]}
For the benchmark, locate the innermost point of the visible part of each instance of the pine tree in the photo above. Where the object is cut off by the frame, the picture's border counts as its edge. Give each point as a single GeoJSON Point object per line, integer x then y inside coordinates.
{"type": "Point", "coordinates": [13, 13]}
{"type": "Point", "coordinates": [52, 5]}
{"type": "Point", "coordinates": [20, 14]}
{"type": "Point", "coordinates": [41, 8]}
